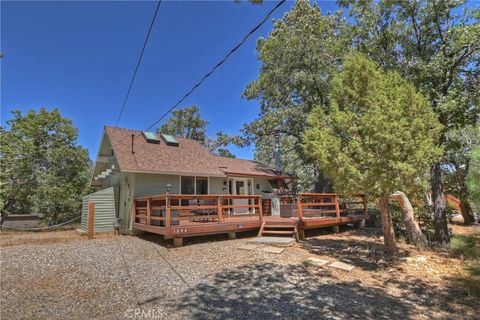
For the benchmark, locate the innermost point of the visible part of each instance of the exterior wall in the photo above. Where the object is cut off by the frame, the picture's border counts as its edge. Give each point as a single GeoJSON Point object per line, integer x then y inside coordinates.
{"type": "Point", "coordinates": [216, 185]}
{"type": "Point", "coordinates": [263, 184]}
{"type": "Point", "coordinates": [153, 184]}
{"type": "Point", "coordinates": [123, 186]}
{"type": "Point", "coordinates": [104, 210]}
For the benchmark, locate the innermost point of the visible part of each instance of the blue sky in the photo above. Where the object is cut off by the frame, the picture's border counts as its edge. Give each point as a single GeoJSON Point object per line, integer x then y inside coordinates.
{"type": "Point", "coordinates": [79, 57]}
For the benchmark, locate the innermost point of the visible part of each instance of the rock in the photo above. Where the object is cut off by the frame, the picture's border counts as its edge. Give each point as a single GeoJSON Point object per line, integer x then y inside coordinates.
{"type": "Point", "coordinates": [342, 266]}
{"type": "Point", "coordinates": [315, 261]}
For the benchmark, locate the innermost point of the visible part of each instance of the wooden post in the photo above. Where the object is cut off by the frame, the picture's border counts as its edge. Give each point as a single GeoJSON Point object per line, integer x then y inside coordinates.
{"type": "Point", "coordinates": [301, 234]}
{"type": "Point", "coordinates": [260, 208]}
{"type": "Point", "coordinates": [337, 206]}
{"type": "Point", "coordinates": [299, 207]}
{"type": "Point", "coordinates": [167, 212]}
{"type": "Point", "coordinates": [149, 211]}
{"type": "Point", "coordinates": [220, 209]}
{"type": "Point", "coordinates": [91, 220]}
{"type": "Point", "coordinates": [177, 242]}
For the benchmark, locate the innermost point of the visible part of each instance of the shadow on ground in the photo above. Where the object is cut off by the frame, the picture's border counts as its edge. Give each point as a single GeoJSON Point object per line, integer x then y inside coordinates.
{"type": "Point", "coordinates": [188, 241]}
{"type": "Point", "coordinates": [270, 291]}
{"type": "Point", "coordinates": [364, 254]}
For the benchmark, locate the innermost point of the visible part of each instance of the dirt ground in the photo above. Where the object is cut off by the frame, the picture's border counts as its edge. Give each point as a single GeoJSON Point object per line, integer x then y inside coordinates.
{"type": "Point", "coordinates": [59, 275]}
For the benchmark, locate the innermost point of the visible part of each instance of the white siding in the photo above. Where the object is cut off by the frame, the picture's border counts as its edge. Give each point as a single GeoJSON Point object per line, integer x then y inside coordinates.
{"type": "Point", "coordinates": [216, 185]}
{"type": "Point", "coordinates": [263, 184]}
{"type": "Point", "coordinates": [154, 184]}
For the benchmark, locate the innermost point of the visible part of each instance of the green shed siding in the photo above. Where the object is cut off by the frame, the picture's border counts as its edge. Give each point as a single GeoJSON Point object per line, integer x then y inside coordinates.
{"type": "Point", "coordinates": [104, 210]}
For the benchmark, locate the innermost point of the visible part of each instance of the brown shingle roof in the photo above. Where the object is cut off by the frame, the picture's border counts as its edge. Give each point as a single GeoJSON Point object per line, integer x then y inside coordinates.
{"type": "Point", "coordinates": [190, 157]}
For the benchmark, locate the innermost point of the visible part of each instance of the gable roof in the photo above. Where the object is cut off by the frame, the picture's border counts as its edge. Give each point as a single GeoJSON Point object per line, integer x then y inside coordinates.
{"type": "Point", "coordinates": [188, 158]}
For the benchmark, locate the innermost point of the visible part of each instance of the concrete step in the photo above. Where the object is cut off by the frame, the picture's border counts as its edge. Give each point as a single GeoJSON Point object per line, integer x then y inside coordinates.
{"type": "Point", "coordinates": [273, 241]}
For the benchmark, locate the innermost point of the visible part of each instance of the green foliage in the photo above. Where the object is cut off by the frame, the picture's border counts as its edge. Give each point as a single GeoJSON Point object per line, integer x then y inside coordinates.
{"type": "Point", "coordinates": [433, 44]}
{"type": "Point", "coordinates": [379, 135]}
{"type": "Point", "coordinates": [218, 145]}
{"type": "Point", "coordinates": [459, 144]}
{"type": "Point", "coordinates": [473, 179]}
{"type": "Point", "coordinates": [298, 59]}
{"type": "Point", "coordinates": [42, 167]}
{"type": "Point", "coordinates": [186, 123]}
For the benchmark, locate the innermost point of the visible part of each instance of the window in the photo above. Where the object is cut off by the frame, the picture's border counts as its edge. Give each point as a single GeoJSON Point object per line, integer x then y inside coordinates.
{"type": "Point", "coordinates": [188, 186]}
{"type": "Point", "coordinates": [194, 185]}
{"type": "Point", "coordinates": [201, 185]}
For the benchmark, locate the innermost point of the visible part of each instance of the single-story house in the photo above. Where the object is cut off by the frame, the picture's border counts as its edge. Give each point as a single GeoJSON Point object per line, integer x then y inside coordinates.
{"type": "Point", "coordinates": [131, 164]}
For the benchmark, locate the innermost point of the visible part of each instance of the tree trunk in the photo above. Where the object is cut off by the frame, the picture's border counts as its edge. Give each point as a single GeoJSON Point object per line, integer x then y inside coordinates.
{"type": "Point", "coordinates": [467, 212]}
{"type": "Point", "coordinates": [439, 209]}
{"type": "Point", "coordinates": [390, 245]}
{"type": "Point", "coordinates": [322, 183]}
{"type": "Point", "coordinates": [4, 212]}
{"type": "Point", "coordinates": [414, 233]}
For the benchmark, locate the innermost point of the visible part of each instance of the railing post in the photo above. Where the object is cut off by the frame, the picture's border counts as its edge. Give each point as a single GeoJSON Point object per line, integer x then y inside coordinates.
{"type": "Point", "coordinates": [299, 207]}
{"type": "Point", "coordinates": [91, 220]}
{"type": "Point", "coordinates": [220, 209]}
{"type": "Point", "coordinates": [167, 212]}
{"type": "Point", "coordinates": [337, 206]}
{"type": "Point", "coordinates": [260, 208]}
{"type": "Point", "coordinates": [149, 211]}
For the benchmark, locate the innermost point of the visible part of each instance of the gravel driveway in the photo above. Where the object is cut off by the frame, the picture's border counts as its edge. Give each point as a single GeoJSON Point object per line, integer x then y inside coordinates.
{"type": "Point", "coordinates": [127, 277]}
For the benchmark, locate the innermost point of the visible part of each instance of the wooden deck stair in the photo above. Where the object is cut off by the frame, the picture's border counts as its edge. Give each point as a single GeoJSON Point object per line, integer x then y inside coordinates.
{"type": "Point", "coordinates": [286, 228]}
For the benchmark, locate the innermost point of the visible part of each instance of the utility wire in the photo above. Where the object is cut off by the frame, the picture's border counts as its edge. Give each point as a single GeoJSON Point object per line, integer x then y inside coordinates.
{"type": "Point", "coordinates": [209, 73]}
{"type": "Point", "coordinates": [138, 62]}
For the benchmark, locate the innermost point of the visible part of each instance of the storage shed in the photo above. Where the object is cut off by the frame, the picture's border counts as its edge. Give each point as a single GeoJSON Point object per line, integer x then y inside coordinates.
{"type": "Point", "coordinates": [105, 211]}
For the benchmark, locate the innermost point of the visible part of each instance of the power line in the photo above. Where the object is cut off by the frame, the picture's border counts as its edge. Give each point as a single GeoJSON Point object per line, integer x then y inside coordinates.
{"type": "Point", "coordinates": [209, 73]}
{"type": "Point", "coordinates": [138, 62]}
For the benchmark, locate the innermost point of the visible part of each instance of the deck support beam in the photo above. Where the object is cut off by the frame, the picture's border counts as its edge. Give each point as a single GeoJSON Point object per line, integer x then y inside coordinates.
{"type": "Point", "coordinates": [177, 242]}
{"type": "Point", "coordinates": [336, 229]}
{"type": "Point", "coordinates": [301, 234]}
{"type": "Point", "coordinates": [232, 235]}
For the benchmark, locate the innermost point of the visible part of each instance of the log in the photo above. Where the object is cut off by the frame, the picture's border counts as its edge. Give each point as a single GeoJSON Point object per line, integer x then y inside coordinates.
{"type": "Point", "coordinates": [414, 233]}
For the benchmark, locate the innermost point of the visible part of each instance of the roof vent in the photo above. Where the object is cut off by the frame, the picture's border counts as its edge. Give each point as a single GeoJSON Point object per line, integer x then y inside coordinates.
{"type": "Point", "coordinates": [151, 137]}
{"type": "Point", "coordinates": [169, 140]}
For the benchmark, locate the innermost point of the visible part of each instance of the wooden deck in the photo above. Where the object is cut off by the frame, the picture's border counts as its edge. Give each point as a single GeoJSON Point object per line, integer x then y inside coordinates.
{"type": "Point", "coordinates": [178, 216]}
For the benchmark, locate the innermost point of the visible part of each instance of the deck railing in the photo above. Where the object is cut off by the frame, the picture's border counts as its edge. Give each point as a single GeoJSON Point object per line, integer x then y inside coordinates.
{"type": "Point", "coordinates": [314, 205]}
{"type": "Point", "coordinates": [172, 209]}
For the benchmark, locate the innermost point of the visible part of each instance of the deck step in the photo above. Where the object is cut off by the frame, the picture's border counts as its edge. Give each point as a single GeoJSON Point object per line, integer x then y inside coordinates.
{"type": "Point", "coordinates": [283, 226]}
{"type": "Point", "coordinates": [277, 232]}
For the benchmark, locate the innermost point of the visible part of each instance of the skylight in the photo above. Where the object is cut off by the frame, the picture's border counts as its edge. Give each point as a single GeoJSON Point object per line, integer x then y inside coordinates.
{"type": "Point", "coordinates": [169, 140]}
{"type": "Point", "coordinates": [151, 137]}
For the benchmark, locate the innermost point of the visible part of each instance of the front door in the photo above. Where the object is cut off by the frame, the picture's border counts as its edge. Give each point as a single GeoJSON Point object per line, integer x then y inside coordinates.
{"type": "Point", "coordinates": [241, 187]}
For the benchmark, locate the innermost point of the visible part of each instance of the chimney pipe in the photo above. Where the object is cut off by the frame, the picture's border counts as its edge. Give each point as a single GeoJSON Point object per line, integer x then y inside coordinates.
{"type": "Point", "coordinates": [133, 138]}
{"type": "Point", "coordinates": [278, 164]}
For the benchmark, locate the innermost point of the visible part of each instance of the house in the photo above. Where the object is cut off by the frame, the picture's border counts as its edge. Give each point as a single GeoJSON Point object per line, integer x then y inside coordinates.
{"type": "Point", "coordinates": [139, 164]}
{"type": "Point", "coordinates": [176, 188]}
